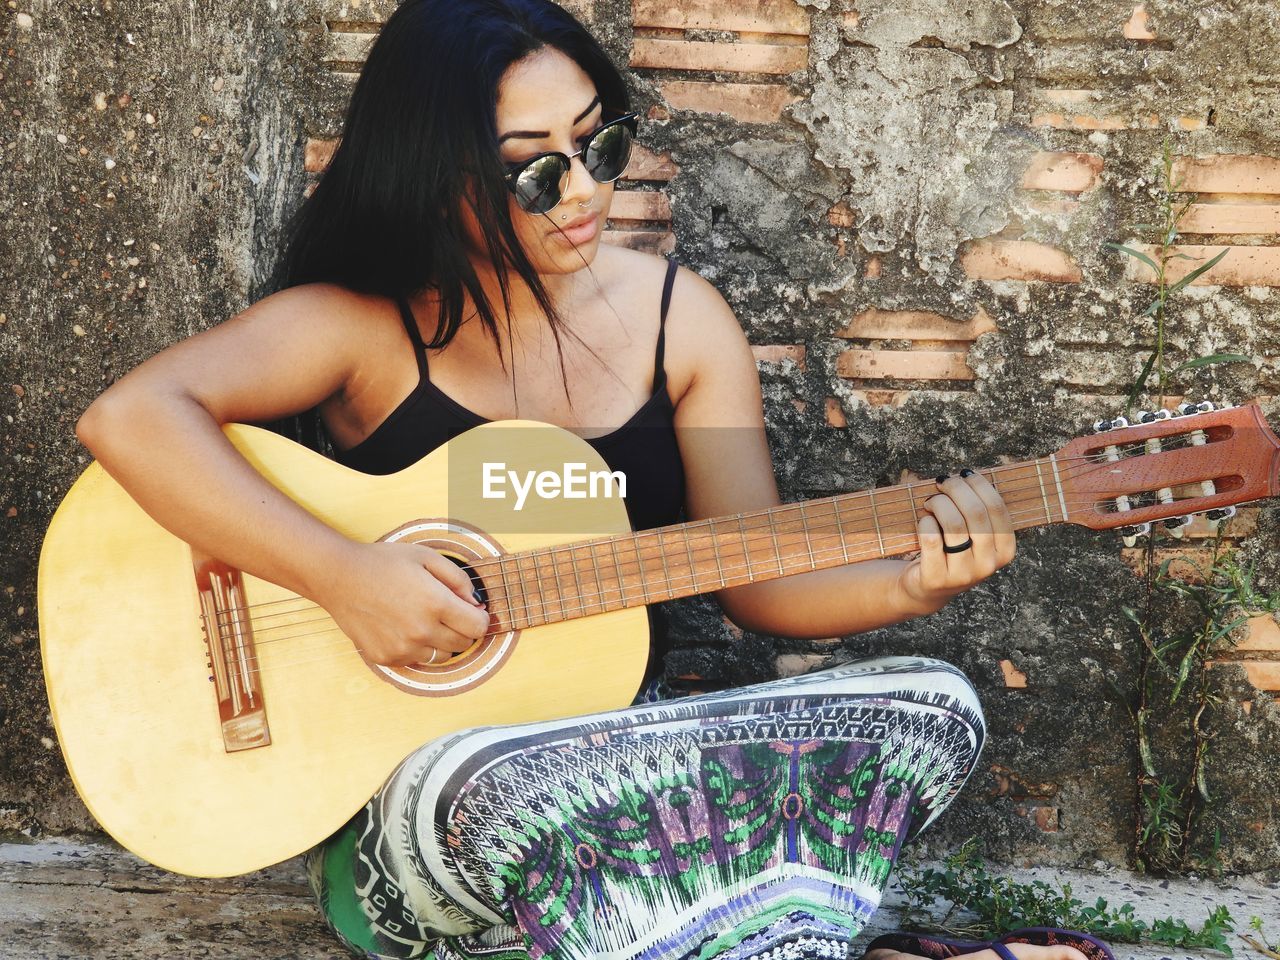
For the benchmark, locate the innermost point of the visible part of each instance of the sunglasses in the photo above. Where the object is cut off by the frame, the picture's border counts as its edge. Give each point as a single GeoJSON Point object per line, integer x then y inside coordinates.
{"type": "Point", "coordinates": [539, 182]}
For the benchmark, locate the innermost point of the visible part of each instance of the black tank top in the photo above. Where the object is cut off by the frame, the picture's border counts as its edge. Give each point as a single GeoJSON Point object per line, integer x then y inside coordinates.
{"type": "Point", "coordinates": [644, 448]}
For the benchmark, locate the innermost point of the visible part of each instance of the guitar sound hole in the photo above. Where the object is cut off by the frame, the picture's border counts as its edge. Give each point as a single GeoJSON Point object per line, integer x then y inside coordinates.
{"type": "Point", "coordinates": [469, 548]}
{"type": "Point", "coordinates": [478, 586]}
{"type": "Point", "coordinates": [476, 582]}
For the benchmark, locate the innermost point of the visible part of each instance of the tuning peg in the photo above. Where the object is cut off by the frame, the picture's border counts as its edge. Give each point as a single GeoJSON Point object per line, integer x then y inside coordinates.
{"type": "Point", "coordinates": [1148, 416]}
{"type": "Point", "coordinates": [1131, 534]}
{"type": "Point", "coordinates": [1102, 426]}
{"type": "Point", "coordinates": [1221, 513]}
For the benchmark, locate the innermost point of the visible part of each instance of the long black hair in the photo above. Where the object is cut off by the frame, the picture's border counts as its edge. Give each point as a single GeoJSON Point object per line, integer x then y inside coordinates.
{"type": "Point", "coordinates": [386, 215]}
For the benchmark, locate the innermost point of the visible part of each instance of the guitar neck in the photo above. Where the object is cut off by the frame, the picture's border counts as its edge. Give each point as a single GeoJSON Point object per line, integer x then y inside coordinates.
{"type": "Point", "coordinates": [594, 576]}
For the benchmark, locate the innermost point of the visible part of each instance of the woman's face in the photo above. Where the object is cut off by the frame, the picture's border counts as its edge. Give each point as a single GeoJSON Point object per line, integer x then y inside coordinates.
{"type": "Point", "coordinates": [547, 103]}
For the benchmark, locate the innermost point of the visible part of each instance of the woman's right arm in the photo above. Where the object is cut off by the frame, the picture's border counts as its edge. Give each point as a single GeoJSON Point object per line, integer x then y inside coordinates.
{"type": "Point", "coordinates": [158, 432]}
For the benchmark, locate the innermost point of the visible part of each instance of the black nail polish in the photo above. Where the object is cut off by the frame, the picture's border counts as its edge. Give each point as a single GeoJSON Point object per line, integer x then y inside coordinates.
{"type": "Point", "coordinates": [966, 472]}
{"type": "Point", "coordinates": [941, 480]}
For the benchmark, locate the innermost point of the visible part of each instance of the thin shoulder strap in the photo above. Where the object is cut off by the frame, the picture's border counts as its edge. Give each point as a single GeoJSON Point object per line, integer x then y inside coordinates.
{"type": "Point", "coordinates": [672, 266]}
{"type": "Point", "coordinates": [411, 328]}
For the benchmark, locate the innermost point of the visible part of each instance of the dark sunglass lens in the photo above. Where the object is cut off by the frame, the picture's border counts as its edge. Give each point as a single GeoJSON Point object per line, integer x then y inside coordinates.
{"type": "Point", "coordinates": [537, 186]}
{"type": "Point", "coordinates": [606, 154]}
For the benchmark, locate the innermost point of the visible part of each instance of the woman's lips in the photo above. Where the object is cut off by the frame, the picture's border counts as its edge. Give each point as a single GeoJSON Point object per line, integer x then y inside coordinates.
{"type": "Point", "coordinates": [584, 233]}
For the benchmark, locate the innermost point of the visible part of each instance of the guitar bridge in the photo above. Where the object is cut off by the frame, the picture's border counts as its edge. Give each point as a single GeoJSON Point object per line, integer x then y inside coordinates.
{"type": "Point", "coordinates": [232, 658]}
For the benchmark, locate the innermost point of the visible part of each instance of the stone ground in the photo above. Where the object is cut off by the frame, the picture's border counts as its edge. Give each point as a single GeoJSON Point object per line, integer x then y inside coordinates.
{"type": "Point", "coordinates": [67, 900]}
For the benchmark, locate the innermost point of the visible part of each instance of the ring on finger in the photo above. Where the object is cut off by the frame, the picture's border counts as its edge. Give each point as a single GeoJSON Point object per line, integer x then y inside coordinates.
{"type": "Point", "coordinates": [959, 547]}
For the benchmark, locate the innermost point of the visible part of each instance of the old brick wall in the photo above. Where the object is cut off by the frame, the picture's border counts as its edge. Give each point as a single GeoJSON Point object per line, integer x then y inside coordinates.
{"type": "Point", "coordinates": [907, 206]}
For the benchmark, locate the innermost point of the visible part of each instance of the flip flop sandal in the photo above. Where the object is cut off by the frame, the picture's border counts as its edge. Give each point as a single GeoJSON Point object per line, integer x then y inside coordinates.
{"type": "Point", "coordinates": [940, 948]}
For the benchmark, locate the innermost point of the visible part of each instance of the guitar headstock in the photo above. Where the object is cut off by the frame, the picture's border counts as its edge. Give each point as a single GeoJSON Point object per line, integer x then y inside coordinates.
{"type": "Point", "coordinates": [1169, 465]}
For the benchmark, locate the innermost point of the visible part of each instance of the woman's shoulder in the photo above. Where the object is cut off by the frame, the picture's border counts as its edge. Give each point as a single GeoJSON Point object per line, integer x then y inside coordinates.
{"type": "Point", "coordinates": [324, 304]}
{"type": "Point", "coordinates": [701, 328]}
{"type": "Point", "coordinates": [638, 277]}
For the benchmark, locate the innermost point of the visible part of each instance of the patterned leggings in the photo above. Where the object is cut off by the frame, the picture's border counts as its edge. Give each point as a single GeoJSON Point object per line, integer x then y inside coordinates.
{"type": "Point", "coordinates": [760, 822]}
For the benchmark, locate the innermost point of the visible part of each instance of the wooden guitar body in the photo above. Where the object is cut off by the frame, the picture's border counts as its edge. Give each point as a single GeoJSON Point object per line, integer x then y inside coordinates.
{"type": "Point", "coordinates": [128, 674]}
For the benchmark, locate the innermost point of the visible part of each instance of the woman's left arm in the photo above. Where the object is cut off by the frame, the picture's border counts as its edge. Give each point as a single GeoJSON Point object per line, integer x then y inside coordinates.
{"type": "Point", "coordinates": [720, 428]}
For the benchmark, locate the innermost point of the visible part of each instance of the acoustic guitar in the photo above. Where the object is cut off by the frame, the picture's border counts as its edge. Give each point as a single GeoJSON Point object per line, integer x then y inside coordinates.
{"type": "Point", "coordinates": [215, 723]}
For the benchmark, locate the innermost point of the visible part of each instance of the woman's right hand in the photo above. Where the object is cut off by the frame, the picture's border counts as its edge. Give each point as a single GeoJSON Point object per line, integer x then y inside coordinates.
{"type": "Point", "coordinates": [403, 603]}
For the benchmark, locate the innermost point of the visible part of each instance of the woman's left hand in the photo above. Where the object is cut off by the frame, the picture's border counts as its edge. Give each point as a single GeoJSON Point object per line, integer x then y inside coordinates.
{"type": "Point", "coordinates": [967, 508]}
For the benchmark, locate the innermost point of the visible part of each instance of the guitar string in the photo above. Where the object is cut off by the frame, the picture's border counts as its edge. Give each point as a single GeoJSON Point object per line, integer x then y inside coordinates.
{"type": "Point", "coordinates": [491, 570]}
{"type": "Point", "coordinates": [581, 607]}
{"type": "Point", "coordinates": [1032, 483]}
{"type": "Point", "coordinates": [520, 605]}
{"type": "Point", "coordinates": [573, 560]}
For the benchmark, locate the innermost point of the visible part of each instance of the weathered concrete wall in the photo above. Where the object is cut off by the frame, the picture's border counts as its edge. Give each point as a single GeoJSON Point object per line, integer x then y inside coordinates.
{"type": "Point", "coordinates": [906, 204]}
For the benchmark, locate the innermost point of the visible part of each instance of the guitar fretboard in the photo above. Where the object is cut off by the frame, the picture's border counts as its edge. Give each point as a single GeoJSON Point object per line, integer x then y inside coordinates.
{"type": "Point", "coordinates": [552, 584]}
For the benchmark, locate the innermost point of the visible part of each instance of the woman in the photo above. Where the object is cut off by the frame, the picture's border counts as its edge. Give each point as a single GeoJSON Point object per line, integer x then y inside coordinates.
{"type": "Point", "coordinates": [448, 271]}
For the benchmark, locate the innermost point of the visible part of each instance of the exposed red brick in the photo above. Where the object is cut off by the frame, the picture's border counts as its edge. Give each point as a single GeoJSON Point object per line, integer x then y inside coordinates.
{"type": "Point", "coordinates": [993, 259]}
{"type": "Point", "coordinates": [1069, 172]}
{"type": "Point", "coordinates": [1243, 266]}
{"type": "Point", "coordinates": [1138, 26]}
{"type": "Point", "coordinates": [779, 352]}
{"type": "Point", "coordinates": [1046, 818]}
{"type": "Point", "coordinates": [1085, 110]}
{"type": "Point", "coordinates": [1264, 634]}
{"type": "Point", "coordinates": [731, 57]}
{"type": "Point", "coordinates": [876, 324]}
{"type": "Point", "coordinates": [1231, 218]}
{"type": "Point", "coordinates": [904, 364]}
{"type": "Point", "coordinates": [646, 164]}
{"type": "Point", "coordinates": [1263, 674]}
{"type": "Point", "coordinates": [841, 215]}
{"type": "Point", "coordinates": [659, 243]}
{"type": "Point", "coordinates": [645, 205]}
{"type": "Point", "coordinates": [1198, 556]}
{"type": "Point", "coordinates": [1054, 206]}
{"type": "Point", "coordinates": [1013, 677]}
{"type": "Point", "coordinates": [835, 413]}
{"type": "Point", "coordinates": [1017, 787]}
{"type": "Point", "coordinates": [754, 16]}
{"type": "Point", "coordinates": [748, 102]}
{"type": "Point", "coordinates": [317, 154]}
{"type": "Point", "coordinates": [873, 268]}
{"type": "Point", "coordinates": [1228, 173]}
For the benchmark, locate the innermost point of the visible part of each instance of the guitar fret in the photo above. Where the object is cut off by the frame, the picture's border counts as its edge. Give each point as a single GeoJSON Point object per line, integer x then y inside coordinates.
{"type": "Point", "coordinates": [875, 518]}
{"type": "Point", "coordinates": [617, 565]}
{"type": "Point", "coordinates": [1043, 492]}
{"type": "Point", "coordinates": [555, 572]}
{"type": "Point", "coordinates": [1062, 500]}
{"type": "Point", "coordinates": [688, 551]}
{"type": "Point", "coordinates": [595, 572]}
{"type": "Point", "coordinates": [911, 498]}
{"type": "Point", "coordinates": [644, 574]}
{"type": "Point", "coordinates": [506, 590]}
{"type": "Point", "coordinates": [541, 601]}
{"type": "Point", "coordinates": [666, 570]}
{"type": "Point", "coordinates": [808, 543]}
{"type": "Point", "coordinates": [746, 551]}
{"type": "Point", "coordinates": [577, 580]}
{"type": "Point", "coordinates": [715, 552]}
{"type": "Point", "coordinates": [777, 547]}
